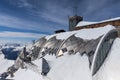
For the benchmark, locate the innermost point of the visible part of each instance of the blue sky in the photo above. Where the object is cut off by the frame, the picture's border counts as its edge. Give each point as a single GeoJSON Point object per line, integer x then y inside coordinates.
{"type": "Point", "coordinates": [26, 20]}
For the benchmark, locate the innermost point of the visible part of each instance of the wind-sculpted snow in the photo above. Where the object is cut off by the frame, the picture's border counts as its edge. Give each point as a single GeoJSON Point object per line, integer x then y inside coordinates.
{"type": "Point", "coordinates": [70, 56]}
{"type": "Point", "coordinates": [52, 45]}
{"type": "Point", "coordinates": [62, 38]}
{"type": "Point", "coordinates": [110, 70]}
{"type": "Point", "coordinates": [37, 47]}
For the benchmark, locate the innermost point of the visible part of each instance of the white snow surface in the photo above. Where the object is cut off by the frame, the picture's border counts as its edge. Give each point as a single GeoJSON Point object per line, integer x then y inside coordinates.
{"type": "Point", "coordinates": [92, 33]}
{"type": "Point", "coordinates": [110, 70]}
{"type": "Point", "coordinates": [26, 74]}
{"type": "Point", "coordinates": [70, 67]}
{"type": "Point", "coordinates": [61, 36]}
{"type": "Point", "coordinates": [67, 67]}
{"type": "Point", "coordinates": [85, 23]}
{"type": "Point", "coordinates": [4, 63]}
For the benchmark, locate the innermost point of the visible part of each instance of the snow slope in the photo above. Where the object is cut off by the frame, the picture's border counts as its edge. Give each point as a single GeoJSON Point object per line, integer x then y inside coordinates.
{"type": "Point", "coordinates": [72, 67]}
{"type": "Point", "coordinates": [26, 74]}
{"type": "Point", "coordinates": [110, 70]}
{"type": "Point", "coordinates": [75, 67]}
{"type": "Point", "coordinates": [67, 67]}
{"type": "Point", "coordinates": [4, 63]}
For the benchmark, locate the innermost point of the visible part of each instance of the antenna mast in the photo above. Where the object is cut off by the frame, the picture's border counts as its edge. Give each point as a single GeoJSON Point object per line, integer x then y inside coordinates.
{"type": "Point", "coordinates": [75, 7]}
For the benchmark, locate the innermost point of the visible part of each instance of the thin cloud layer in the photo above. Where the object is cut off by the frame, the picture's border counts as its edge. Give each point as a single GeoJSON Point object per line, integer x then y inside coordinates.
{"type": "Point", "coordinates": [58, 10]}
{"type": "Point", "coordinates": [15, 22]}
{"type": "Point", "coordinates": [20, 34]}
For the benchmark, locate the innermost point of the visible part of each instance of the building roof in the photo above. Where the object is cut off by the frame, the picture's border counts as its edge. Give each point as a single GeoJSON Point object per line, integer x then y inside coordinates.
{"type": "Point", "coordinates": [85, 23]}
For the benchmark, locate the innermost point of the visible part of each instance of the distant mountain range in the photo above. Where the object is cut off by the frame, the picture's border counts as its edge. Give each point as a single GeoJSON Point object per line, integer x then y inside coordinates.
{"type": "Point", "coordinates": [11, 50]}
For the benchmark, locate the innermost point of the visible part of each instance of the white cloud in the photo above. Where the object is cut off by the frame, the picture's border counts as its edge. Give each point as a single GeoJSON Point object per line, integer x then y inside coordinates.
{"type": "Point", "coordinates": [20, 34]}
